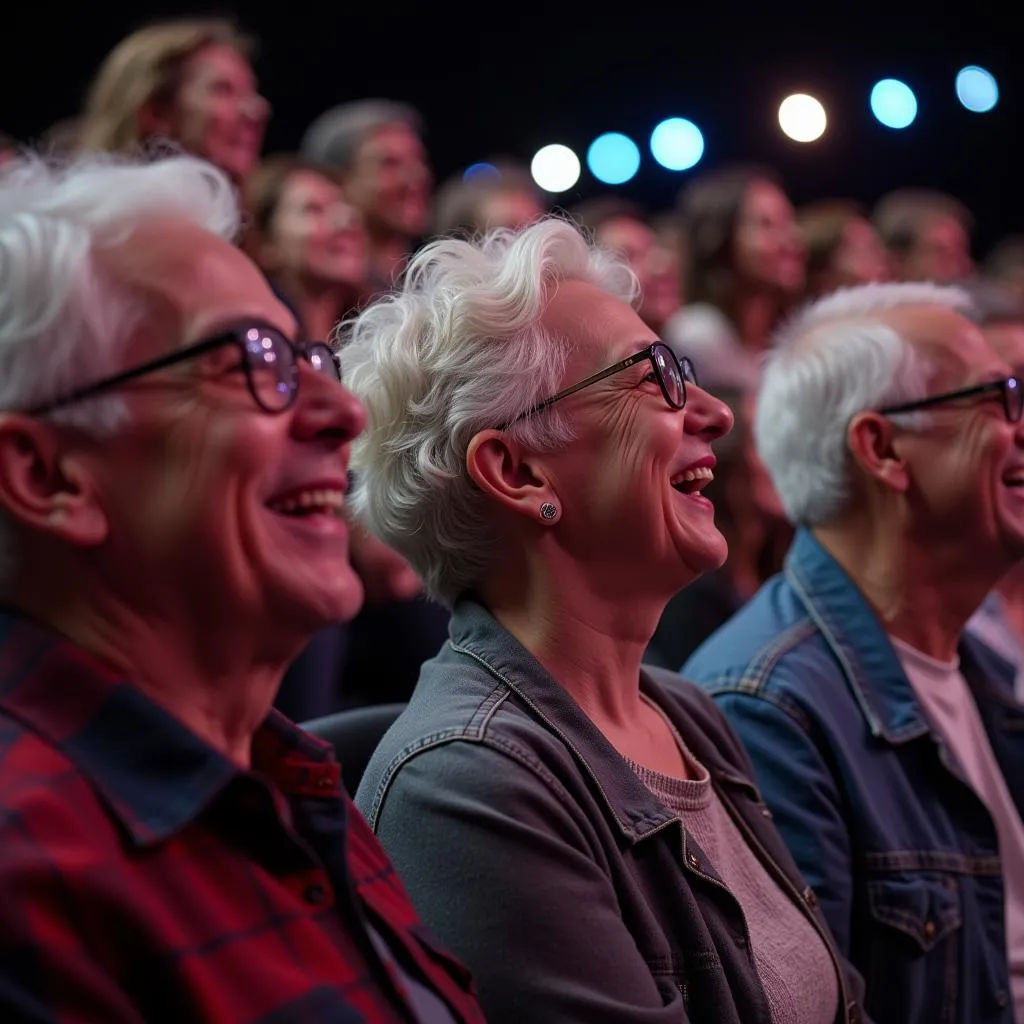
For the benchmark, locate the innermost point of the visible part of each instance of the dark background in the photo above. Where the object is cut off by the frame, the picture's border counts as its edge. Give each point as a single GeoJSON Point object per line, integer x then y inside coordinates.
{"type": "Point", "coordinates": [501, 78]}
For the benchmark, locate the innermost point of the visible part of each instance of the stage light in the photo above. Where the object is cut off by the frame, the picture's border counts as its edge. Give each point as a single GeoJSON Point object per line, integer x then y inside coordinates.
{"type": "Point", "coordinates": [893, 102]}
{"type": "Point", "coordinates": [677, 144]}
{"type": "Point", "coordinates": [802, 117]}
{"type": "Point", "coordinates": [555, 168]}
{"type": "Point", "coordinates": [481, 172]}
{"type": "Point", "coordinates": [613, 158]}
{"type": "Point", "coordinates": [976, 89]}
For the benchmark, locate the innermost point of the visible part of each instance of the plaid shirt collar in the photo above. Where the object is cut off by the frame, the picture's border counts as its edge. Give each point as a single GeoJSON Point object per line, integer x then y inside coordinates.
{"type": "Point", "coordinates": [154, 774]}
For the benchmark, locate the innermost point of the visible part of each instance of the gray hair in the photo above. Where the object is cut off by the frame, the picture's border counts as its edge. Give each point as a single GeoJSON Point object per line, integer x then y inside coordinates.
{"type": "Point", "coordinates": [461, 348]}
{"type": "Point", "coordinates": [333, 139]}
{"type": "Point", "coordinates": [835, 358]}
{"type": "Point", "coordinates": [63, 321]}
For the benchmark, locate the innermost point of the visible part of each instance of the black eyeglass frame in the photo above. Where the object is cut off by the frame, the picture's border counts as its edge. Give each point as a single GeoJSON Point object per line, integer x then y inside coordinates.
{"type": "Point", "coordinates": [232, 336]}
{"type": "Point", "coordinates": [1007, 386]}
{"type": "Point", "coordinates": [687, 374]}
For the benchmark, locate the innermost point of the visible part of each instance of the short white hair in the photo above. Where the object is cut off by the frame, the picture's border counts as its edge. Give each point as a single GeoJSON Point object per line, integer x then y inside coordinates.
{"type": "Point", "coordinates": [460, 348]}
{"type": "Point", "coordinates": [835, 358]}
{"type": "Point", "coordinates": [64, 322]}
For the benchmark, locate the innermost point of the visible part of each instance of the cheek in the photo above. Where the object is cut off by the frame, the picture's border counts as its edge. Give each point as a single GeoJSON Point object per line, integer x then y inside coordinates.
{"type": "Point", "coordinates": [191, 488]}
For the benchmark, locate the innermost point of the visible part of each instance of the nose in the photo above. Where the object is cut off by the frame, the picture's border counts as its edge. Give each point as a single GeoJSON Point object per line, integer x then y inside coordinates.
{"type": "Point", "coordinates": [706, 415]}
{"type": "Point", "coordinates": [325, 410]}
{"type": "Point", "coordinates": [256, 108]}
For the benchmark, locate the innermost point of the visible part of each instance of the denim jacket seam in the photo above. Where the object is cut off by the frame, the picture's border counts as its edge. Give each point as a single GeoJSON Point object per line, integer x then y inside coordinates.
{"type": "Point", "coordinates": [756, 674]}
{"type": "Point", "coordinates": [446, 736]}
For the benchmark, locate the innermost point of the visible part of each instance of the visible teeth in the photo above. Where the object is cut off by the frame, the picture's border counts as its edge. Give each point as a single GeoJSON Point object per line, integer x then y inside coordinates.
{"type": "Point", "coordinates": [325, 500]}
{"type": "Point", "coordinates": [701, 473]}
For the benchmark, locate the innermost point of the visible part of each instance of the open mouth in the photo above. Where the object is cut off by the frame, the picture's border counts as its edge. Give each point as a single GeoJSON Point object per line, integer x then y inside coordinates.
{"type": "Point", "coordinates": [309, 503]}
{"type": "Point", "coordinates": [692, 481]}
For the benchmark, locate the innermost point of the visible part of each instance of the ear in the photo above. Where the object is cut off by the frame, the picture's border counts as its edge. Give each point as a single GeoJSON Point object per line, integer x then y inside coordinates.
{"type": "Point", "coordinates": [871, 440]}
{"type": "Point", "coordinates": [44, 486]}
{"type": "Point", "coordinates": [504, 471]}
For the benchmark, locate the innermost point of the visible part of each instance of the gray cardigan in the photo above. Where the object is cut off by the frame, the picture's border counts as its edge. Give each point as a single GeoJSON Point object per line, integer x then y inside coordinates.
{"type": "Point", "coordinates": [537, 855]}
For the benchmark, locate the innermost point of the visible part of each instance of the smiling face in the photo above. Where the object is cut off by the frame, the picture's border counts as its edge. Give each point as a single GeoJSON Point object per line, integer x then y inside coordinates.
{"type": "Point", "coordinates": [314, 235]}
{"type": "Point", "coordinates": [629, 483]}
{"type": "Point", "coordinates": [967, 462]}
{"type": "Point", "coordinates": [228, 511]}
{"type": "Point", "coordinates": [217, 112]}
{"type": "Point", "coordinates": [768, 249]}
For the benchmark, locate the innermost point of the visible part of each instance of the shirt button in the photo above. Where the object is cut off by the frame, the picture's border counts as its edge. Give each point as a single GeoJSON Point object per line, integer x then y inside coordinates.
{"type": "Point", "coordinates": [1001, 997]}
{"type": "Point", "coordinates": [929, 929]}
{"type": "Point", "coordinates": [766, 812]}
{"type": "Point", "coordinates": [853, 1013]}
{"type": "Point", "coordinates": [693, 861]}
{"type": "Point", "coordinates": [315, 893]}
{"type": "Point", "coordinates": [810, 898]}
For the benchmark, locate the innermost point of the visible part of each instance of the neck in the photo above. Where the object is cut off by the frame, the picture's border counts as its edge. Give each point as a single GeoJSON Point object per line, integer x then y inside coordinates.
{"type": "Point", "coordinates": [388, 256]}
{"type": "Point", "coordinates": [321, 311]}
{"type": "Point", "coordinates": [319, 305]}
{"type": "Point", "coordinates": [211, 680]}
{"type": "Point", "coordinates": [591, 642]}
{"type": "Point", "coordinates": [924, 593]}
{"type": "Point", "coordinates": [755, 316]}
{"type": "Point", "coordinates": [743, 564]}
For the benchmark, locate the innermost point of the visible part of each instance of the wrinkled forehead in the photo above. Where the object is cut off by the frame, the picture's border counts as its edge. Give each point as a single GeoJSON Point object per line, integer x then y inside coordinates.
{"type": "Point", "coordinates": [190, 282]}
{"type": "Point", "coordinates": [598, 326]}
{"type": "Point", "coordinates": [955, 348]}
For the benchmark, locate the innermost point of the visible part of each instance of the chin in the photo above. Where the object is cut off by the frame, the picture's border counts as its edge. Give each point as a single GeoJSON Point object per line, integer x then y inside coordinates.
{"type": "Point", "coordinates": [324, 601]}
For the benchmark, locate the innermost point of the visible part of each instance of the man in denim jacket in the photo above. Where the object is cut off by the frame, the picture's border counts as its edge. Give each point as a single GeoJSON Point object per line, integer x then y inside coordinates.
{"type": "Point", "coordinates": [887, 743]}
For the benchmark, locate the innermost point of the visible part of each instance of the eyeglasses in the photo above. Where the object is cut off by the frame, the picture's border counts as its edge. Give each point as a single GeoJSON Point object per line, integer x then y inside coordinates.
{"type": "Point", "coordinates": [672, 373]}
{"type": "Point", "coordinates": [1011, 391]}
{"type": "Point", "coordinates": [270, 361]}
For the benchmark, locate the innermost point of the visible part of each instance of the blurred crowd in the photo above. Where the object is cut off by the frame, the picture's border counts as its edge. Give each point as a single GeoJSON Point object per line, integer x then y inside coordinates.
{"type": "Point", "coordinates": [333, 225]}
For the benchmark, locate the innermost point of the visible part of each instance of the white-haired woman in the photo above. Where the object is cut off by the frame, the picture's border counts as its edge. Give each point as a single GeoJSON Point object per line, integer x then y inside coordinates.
{"type": "Point", "coordinates": [583, 834]}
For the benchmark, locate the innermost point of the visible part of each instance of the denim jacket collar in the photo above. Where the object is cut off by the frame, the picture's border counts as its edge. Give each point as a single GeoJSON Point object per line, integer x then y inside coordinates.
{"type": "Point", "coordinates": [474, 632]}
{"type": "Point", "coordinates": [853, 631]}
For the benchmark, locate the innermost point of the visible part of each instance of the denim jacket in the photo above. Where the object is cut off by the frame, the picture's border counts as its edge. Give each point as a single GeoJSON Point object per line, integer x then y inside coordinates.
{"type": "Point", "coordinates": [531, 847]}
{"type": "Point", "coordinates": [874, 807]}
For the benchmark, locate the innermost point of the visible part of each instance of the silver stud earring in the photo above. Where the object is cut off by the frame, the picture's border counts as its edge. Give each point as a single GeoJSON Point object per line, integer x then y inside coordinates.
{"type": "Point", "coordinates": [548, 511]}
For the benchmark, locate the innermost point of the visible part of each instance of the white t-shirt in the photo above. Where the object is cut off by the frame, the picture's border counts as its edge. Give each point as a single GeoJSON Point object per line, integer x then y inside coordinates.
{"type": "Point", "coordinates": [950, 707]}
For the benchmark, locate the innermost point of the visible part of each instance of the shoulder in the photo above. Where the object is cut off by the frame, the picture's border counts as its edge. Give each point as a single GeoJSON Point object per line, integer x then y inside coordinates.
{"type": "Point", "coordinates": [772, 644]}
{"type": "Point", "coordinates": [465, 732]}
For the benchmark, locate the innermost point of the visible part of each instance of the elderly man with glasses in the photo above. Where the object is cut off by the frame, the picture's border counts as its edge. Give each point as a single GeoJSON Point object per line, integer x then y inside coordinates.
{"type": "Point", "coordinates": [173, 469]}
{"type": "Point", "coordinates": [886, 740]}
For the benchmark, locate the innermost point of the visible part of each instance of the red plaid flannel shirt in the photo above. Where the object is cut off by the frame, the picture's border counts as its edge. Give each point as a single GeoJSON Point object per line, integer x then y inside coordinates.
{"type": "Point", "coordinates": [145, 877]}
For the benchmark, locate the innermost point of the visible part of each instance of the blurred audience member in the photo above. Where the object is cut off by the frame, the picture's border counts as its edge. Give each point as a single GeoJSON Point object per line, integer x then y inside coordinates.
{"type": "Point", "coordinates": [886, 740]}
{"type": "Point", "coordinates": [1005, 265]}
{"type": "Point", "coordinates": [308, 240]}
{"type": "Point", "coordinates": [375, 148]}
{"type": "Point", "coordinates": [843, 248]}
{"type": "Point", "coordinates": [745, 270]}
{"type": "Point", "coordinates": [503, 196]}
{"type": "Point", "coordinates": [190, 82]}
{"type": "Point", "coordinates": [536, 789]}
{"type": "Point", "coordinates": [62, 140]}
{"type": "Point", "coordinates": [310, 243]}
{"type": "Point", "coordinates": [750, 517]}
{"type": "Point", "coordinates": [8, 148]}
{"type": "Point", "coordinates": [1000, 620]}
{"type": "Point", "coordinates": [621, 227]}
{"type": "Point", "coordinates": [926, 234]}
{"type": "Point", "coordinates": [172, 468]}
